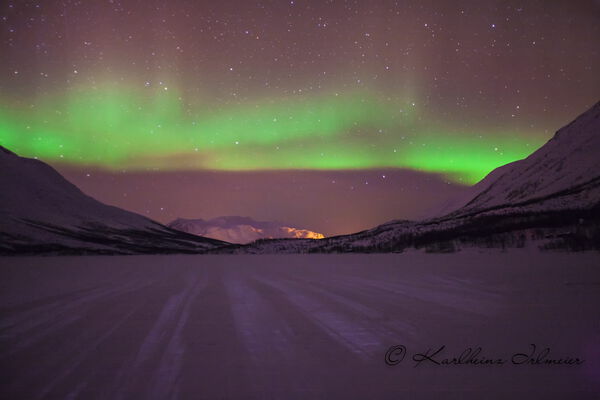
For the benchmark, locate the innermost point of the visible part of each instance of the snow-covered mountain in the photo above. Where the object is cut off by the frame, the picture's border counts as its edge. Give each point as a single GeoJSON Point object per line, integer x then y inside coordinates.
{"type": "Point", "coordinates": [568, 166]}
{"type": "Point", "coordinates": [569, 162]}
{"type": "Point", "coordinates": [41, 212]}
{"type": "Point", "coordinates": [466, 195]}
{"type": "Point", "coordinates": [550, 199]}
{"type": "Point", "coordinates": [241, 230]}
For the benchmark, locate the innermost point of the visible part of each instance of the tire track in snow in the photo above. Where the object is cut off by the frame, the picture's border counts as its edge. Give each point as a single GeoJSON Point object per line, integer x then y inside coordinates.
{"type": "Point", "coordinates": [360, 306]}
{"type": "Point", "coordinates": [343, 326]}
{"type": "Point", "coordinates": [66, 353]}
{"type": "Point", "coordinates": [50, 320]}
{"type": "Point", "coordinates": [163, 347]}
{"type": "Point", "coordinates": [266, 336]}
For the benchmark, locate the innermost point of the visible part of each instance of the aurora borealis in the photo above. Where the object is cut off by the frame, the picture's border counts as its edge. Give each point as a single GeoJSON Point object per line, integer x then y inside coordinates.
{"type": "Point", "coordinates": [123, 129]}
{"type": "Point", "coordinates": [447, 90]}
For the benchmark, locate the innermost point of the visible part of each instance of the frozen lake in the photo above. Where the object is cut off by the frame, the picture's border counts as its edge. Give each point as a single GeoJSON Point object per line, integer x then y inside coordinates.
{"type": "Point", "coordinates": [297, 327]}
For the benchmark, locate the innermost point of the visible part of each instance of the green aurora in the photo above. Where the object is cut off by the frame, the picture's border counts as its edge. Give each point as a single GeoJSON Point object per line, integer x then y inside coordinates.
{"type": "Point", "coordinates": [155, 128]}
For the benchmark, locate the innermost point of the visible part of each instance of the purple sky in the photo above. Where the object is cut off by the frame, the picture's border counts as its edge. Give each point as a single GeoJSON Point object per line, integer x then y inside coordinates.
{"type": "Point", "coordinates": [173, 108]}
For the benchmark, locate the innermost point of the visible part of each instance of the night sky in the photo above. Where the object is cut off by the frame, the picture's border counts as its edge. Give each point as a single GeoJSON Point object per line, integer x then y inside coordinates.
{"type": "Point", "coordinates": [330, 115]}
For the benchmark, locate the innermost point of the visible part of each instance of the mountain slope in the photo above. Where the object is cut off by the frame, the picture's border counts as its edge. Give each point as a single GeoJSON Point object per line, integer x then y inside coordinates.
{"type": "Point", "coordinates": [551, 198]}
{"type": "Point", "coordinates": [469, 193]}
{"type": "Point", "coordinates": [40, 211]}
{"type": "Point", "coordinates": [235, 229]}
{"type": "Point", "coordinates": [567, 163]}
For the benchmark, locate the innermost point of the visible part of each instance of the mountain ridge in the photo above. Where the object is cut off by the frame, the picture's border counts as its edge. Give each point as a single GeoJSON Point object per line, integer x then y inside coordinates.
{"type": "Point", "coordinates": [42, 212]}
{"type": "Point", "coordinates": [241, 230]}
{"type": "Point", "coordinates": [551, 198]}
{"type": "Point", "coordinates": [568, 159]}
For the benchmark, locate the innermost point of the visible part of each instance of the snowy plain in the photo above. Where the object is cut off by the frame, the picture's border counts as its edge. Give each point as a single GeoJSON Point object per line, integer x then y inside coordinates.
{"type": "Point", "coordinates": [297, 326]}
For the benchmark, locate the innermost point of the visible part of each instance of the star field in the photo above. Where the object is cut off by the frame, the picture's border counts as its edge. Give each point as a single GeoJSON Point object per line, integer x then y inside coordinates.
{"type": "Point", "coordinates": [454, 89]}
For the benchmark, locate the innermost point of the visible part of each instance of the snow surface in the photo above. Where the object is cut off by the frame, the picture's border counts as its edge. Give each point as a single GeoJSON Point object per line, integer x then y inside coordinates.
{"type": "Point", "coordinates": [296, 327]}
{"type": "Point", "coordinates": [236, 229]}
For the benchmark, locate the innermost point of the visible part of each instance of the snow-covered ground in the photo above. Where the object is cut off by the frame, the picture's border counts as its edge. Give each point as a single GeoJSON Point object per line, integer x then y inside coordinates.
{"type": "Point", "coordinates": [296, 327]}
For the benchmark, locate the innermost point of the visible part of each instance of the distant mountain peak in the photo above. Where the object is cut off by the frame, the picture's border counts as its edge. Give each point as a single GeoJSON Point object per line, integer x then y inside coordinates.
{"type": "Point", "coordinates": [236, 229]}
